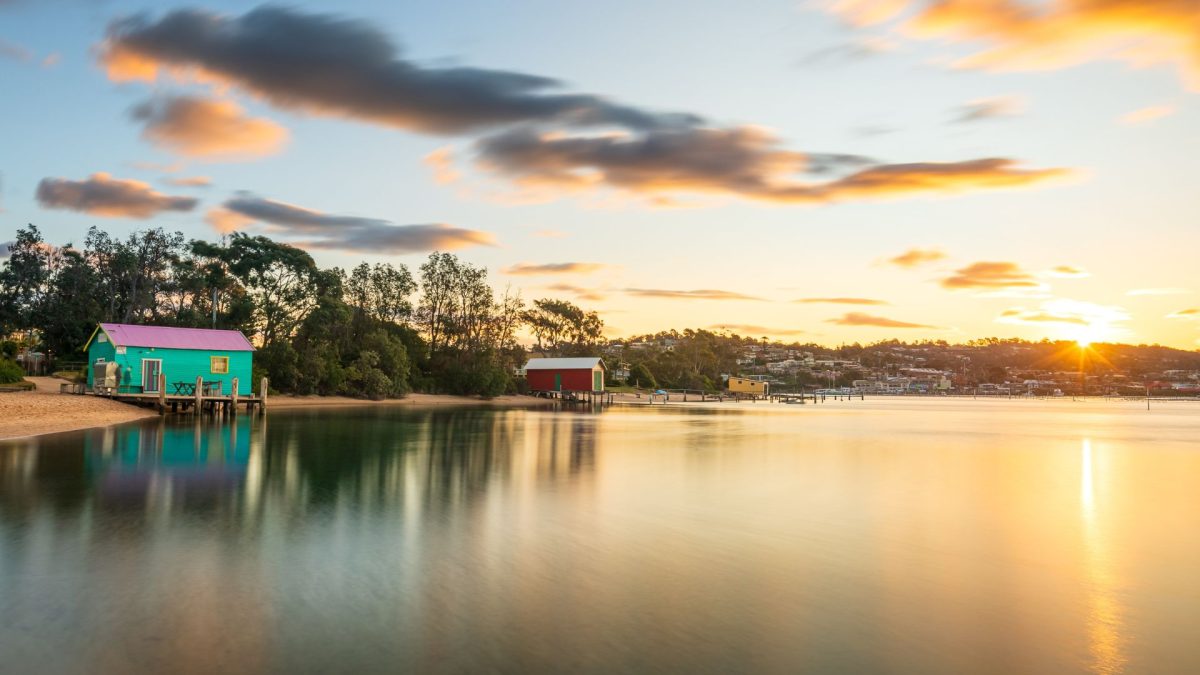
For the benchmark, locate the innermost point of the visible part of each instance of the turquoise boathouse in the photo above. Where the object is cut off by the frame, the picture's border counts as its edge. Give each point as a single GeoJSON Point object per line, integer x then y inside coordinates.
{"type": "Point", "coordinates": [140, 353]}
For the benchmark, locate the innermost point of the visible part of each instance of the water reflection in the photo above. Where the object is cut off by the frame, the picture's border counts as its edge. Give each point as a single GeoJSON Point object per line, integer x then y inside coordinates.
{"type": "Point", "coordinates": [1105, 639]}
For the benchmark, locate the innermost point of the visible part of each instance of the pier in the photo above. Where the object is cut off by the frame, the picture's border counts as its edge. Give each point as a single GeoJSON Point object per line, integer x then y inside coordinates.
{"type": "Point", "coordinates": [195, 399]}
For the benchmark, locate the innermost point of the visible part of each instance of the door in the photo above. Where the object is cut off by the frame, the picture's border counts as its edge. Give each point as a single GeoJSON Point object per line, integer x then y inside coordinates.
{"type": "Point", "coordinates": [150, 370]}
{"type": "Point", "coordinates": [558, 382]}
{"type": "Point", "coordinates": [597, 380]}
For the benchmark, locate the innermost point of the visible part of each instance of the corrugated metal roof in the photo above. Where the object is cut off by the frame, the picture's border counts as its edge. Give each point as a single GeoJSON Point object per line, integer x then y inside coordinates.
{"type": "Point", "coordinates": [585, 362]}
{"type": "Point", "coordinates": [166, 337]}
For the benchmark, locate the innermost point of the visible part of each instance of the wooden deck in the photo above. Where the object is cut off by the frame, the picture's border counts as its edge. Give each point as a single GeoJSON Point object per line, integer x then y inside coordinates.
{"type": "Point", "coordinates": [197, 402]}
{"type": "Point", "coordinates": [577, 397]}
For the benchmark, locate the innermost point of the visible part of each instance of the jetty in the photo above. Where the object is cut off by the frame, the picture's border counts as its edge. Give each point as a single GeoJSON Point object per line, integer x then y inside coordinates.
{"type": "Point", "coordinates": [197, 398]}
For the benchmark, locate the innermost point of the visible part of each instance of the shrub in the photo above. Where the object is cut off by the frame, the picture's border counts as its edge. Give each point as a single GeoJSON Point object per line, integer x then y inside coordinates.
{"type": "Point", "coordinates": [10, 372]}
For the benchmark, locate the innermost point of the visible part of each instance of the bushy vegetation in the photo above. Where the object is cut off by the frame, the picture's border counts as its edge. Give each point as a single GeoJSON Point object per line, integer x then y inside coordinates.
{"type": "Point", "coordinates": [374, 331]}
{"type": "Point", "coordinates": [10, 372]}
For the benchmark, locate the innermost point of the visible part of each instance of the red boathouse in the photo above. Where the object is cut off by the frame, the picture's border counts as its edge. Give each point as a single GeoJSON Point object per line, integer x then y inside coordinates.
{"type": "Point", "coordinates": [574, 374]}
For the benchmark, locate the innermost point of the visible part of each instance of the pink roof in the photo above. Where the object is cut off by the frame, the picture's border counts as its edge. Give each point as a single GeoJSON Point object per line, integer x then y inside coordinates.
{"type": "Point", "coordinates": [165, 337]}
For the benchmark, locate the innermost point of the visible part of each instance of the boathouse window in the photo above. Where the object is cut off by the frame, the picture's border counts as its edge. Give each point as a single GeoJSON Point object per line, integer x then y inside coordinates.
{"type": "Point", "coordinates": [219, 365]}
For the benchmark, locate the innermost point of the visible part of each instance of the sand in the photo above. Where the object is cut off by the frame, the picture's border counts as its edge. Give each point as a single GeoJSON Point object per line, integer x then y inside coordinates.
{"type": "Point", "coordinates": [45, 411]}
{"type": "Point", "coordinates": [279, 402]}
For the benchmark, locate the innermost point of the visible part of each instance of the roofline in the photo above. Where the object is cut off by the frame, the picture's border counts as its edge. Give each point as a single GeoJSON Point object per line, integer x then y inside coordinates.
{"type": "Point", "coordinates": [99, 327]}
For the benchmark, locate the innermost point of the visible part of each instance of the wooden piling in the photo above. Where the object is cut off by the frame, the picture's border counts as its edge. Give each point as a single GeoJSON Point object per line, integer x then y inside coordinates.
{"type": "Point", "coordinates": [199, 393]}
{"type": "Point", "coordinates": [262, 396]}
{"type": "Point", "coordinates": [233, 396]}
{"type": "Point", "coordinates": [162, 393]}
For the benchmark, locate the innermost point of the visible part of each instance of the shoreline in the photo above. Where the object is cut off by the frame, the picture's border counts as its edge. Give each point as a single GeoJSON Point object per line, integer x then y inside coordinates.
{"type": "Point", "coordinates": [43, 410]}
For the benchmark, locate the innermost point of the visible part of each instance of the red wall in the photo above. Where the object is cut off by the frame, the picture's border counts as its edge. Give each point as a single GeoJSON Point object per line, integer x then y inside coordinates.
{"type": "Point", "coordinates": [573, 379]}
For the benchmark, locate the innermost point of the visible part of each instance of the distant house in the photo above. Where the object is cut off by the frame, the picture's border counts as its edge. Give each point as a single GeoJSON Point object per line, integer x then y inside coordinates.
{"type": "Point", "coordinates": [745, 385]}
{"type": "Point", "coordinates": [131, 357]}
{"type": "Point", "coordinates": [571, 374]}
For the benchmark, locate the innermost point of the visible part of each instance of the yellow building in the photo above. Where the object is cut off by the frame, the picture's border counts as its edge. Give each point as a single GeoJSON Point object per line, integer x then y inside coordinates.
{"type": "Point", "coordinates": [744, 385]}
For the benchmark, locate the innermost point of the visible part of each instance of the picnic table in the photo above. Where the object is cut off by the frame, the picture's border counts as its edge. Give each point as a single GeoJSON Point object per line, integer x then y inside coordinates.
{"type": "Point", "coordinates": [189, 388]}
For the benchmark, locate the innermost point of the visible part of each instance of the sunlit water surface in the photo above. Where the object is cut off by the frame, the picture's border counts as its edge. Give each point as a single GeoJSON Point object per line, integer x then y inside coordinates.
{"type": "Point", "coordinates": [890, 536]}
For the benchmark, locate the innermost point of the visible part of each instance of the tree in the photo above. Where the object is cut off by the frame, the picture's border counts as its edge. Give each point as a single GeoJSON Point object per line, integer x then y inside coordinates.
{"type": "Point", "coordinates": [640, 376]}
{"type": "Point", "coordinates": [23, 280]}
{"type": "Point", "coordinates": [560, 326]}
{"type": "Point", "coordinates": [282, 284]}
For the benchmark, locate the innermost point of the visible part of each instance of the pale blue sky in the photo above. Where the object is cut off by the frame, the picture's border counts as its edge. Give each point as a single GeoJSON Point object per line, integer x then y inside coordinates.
{"type": "Point", "coordinates": [1127, 216]}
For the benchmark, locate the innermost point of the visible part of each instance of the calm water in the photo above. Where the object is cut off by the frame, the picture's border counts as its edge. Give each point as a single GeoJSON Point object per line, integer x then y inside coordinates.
{"type": "Point", "coordinates": [879, 536]}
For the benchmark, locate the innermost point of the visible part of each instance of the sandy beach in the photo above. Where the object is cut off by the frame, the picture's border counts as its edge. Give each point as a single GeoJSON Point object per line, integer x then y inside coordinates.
{"type": "Point", "coordinates": [45, 411]}
{"type": "Point", "coordinates": [282, 402]}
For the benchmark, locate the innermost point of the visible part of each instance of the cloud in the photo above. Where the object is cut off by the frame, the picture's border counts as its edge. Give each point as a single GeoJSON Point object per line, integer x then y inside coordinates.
{"type": "Point", "coordinates": [852, 50]}
{"type": "Point", "coordinates": [579, 292]}
{"type": "Point", "coordinates": [984, 109]}
{"type": "Point", "coordinates": [14, 51]}
{"type": "Point", "coordinates": [915, 257]}
{"type": "Point", "coordinates": [745, 162]}
{"type": "Point", "coordinates": [1187, 314]}
{"type": "Point", "coordinates": [1158, 291]}
{"type": "Point", "coordinates": [322, 64]}
{"type": "Point", "coordinates": [529, 269]}
{"type": "Point", "coordinates": [1147, 115]}
{"type": "Point", "coordinates": [1067, 272]}
{"type": "Point", "coordinates": [442, 163]}
{"type": "Point", "coordinates": [327, 65]}
{"type": "Point", "coordinates": [860, 319]}
{"type": "Point", "coordinates": [189, 181]}
{"type": "Point", "coordinates": [550, 234]}
{"type": "Point", "coordinates": [841, 301]}
{"type": "Point", "coordinates": [1020, 35]}
{"type": "Point", "coordinates": [990, 275]}
{"type": "Point", "coordinates": [703, 294]}
{"type": "Point", "coordinates": [345, 233]}
{"type": "Point", "coordinates": [1066, 312]}
{"type": "Point", "coordinates": [102, 195]}
{"type": "Point", "coordinates": [198, 127]}
{"type": "Point", "coordinates": [751, 329]}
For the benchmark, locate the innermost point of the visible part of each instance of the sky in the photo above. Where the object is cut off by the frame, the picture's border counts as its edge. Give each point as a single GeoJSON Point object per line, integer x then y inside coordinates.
{"type": "Point", "coordinates": [829, 171]}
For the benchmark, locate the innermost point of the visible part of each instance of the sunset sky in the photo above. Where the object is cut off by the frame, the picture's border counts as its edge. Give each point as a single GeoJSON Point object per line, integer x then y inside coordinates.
{"type": "Point", "coordinates": [838, 171]}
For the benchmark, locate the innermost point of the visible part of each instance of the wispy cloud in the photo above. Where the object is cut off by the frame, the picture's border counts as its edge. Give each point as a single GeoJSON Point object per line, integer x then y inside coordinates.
{"type": "Point", "coordinates": [198, 127]}
{"type": "Point", "coordinates": [990, 275]}
{"type": "Point", "coordinates": [1187, 314]}
{"type": "Point", "coordinates": [841, 301]}
{"type": "Point", "coordinates": [752, 329]}
{"type": "Point", "coordinates": [1147, 115]}
{"type": "Point", "coordinates": [1067, 312]}
{"type": "Point", "coordinates": [341, 232]}
{"type": "Point", "coordinates": [860, 319]}
{"type": "Point", "coordinates": [915, 257]}
{"type": "Point", "coordinates": [590, 294]}
{"type": "Point", "coordinates": [189, 181]}
{"type": "Point", "coordinates": [983, 109]}
{"type": "Point", "coordinates": [1067, 272]}
{"type": "Point", "coordinates": [530, 269]}
{"type": "Point", "coordinates": [702, 294]}
{"type": "Point", "coordinates": [442, 163]}
{"type": "Point", "coordinates": [102, 195]}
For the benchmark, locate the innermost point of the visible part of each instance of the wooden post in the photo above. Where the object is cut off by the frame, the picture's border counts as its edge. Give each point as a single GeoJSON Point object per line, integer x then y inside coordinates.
{"type": "Point", "coordinates": [262, 395]}
{"type": "Point", "coordinates": [233, 395]}
{"type": "Point", "coordinates": [199, 393]}
{"type": "Point", "coordinates": [162, 392]}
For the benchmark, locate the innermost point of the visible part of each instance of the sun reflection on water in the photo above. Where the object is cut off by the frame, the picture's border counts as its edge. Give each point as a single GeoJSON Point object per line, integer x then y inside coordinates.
{"type": "Point", "coordinates": [1105, 621]}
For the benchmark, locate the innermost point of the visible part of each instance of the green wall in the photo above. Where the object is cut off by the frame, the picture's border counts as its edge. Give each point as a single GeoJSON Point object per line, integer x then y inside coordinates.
{"type": "Point", "coordinates": [179, 365]}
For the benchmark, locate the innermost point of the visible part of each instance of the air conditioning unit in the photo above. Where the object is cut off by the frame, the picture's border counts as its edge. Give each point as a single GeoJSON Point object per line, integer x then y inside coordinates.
{"type": "Point", "coordinates": [104, 376]}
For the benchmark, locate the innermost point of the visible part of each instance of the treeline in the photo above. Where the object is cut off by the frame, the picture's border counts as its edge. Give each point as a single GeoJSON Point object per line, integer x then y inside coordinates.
{"type": "Point", "coordinates": [373, 331]}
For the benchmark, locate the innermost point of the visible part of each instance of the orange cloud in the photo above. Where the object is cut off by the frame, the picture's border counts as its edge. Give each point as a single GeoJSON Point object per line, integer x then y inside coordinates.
{"type": "Point", "coordinates": [1067, 312]}
{"type": "Point", "coordinates": [703, 294]}
{"type": "Point", "coordinates": [860, 319]}
{"type": "Point", "coordinates": [1148, 114]}
{"type": "Point", "coordinates": [529, 269]}
{"type": "Point", "coordinates": [102, 195]}
{"type": "Point", "coordinates": [199, 127]}
{"type": "Point", "coordinates": [915, 257]}
{"type": "Point", "coordinates": [1068, 272]}
{"type": "Point", "coordinates": [1187, 314]}
{"type": "Point", "coordinates": [225, 221]}
{"type": "Point", "coordinates": [752, 329]}
{"type": "Point", "coordinates": [442, 163]}
{"type": "Point", "coordinates": [990, 275]}
{"type": "Point", "coordinates": [189, 181]}
{"type": "Point", "coordinates": [1020, 35]}
{"type": "Point", "coordinates": [579, 292]}
{"type": "Point", "coordinates": [841, 301]}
